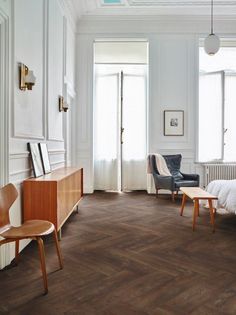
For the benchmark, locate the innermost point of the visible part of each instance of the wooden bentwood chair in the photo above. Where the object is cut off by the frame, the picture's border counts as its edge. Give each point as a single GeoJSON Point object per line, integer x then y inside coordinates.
{"type": "Point", "coordinates": [33, 229]}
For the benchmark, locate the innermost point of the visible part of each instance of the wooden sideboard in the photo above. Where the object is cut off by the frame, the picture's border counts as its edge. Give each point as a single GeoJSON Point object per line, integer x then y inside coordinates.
{"type": "Point", "coordinates": [54, 196]}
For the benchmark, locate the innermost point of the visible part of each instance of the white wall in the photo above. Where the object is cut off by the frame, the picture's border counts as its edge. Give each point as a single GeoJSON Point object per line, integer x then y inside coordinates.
{"type": "Point", "coordinates": [173, 74]}
{"type": "Point", "coordinates": [42, 37]}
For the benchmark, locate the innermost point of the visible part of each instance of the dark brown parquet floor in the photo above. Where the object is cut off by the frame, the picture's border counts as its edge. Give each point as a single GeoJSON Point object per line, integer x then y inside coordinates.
{"type": "Point", "coordinates": [127, 254]}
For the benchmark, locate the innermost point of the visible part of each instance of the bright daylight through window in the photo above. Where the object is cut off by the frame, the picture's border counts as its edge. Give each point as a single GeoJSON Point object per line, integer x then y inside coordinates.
{"type": "Point", "coordinates": [217, 106]}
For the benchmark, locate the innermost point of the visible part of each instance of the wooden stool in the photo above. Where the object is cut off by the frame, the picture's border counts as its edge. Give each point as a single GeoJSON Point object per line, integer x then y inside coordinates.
{"type": "Point", "coordinates": [196, 194]}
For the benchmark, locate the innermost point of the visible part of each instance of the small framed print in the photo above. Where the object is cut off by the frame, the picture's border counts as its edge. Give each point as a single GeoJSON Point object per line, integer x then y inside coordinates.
{"type": "Point", "coordinates": [173, 122]}
{"type": "Point", "coordinates": [36, 159]}
{"type": "Point", "coordinates": [45, 158]}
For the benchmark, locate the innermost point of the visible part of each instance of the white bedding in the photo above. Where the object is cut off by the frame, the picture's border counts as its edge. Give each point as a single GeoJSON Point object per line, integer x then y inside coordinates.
{"type": "Point", "coordinates": [225, 190]}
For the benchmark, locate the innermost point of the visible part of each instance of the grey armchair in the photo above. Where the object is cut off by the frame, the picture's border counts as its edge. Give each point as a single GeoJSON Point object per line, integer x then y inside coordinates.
{"type": "Point", "coordinates": [177, 178]}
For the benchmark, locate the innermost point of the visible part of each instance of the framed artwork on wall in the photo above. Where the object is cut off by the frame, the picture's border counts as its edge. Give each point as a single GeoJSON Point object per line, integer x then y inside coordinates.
{"type": "Point", "coordinates": [173, 122]}
{"type": "Point", "coordinates": [45, 157]}
{"type": "Point", "coordinates": [35, 159]}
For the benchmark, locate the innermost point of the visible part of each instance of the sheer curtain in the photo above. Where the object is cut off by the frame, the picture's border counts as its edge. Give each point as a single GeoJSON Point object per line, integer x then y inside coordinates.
{"type": "Point", "coordinates": [134, 122]}
{"type": "Point", "coordinates": [230, 114]}
{"type": "Point", "coordinates": [105, 133]}
{"type": "Point", "coordinates": [210, 116]}
{"type": "Point", "coordinates": [120, 166]}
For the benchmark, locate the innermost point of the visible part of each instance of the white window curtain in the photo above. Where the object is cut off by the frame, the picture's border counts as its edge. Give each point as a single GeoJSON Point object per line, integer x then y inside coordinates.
{"type": "Point", "coordinates": [217, 99]}
{"type": "Point", "coordinates": [230, 114]}
{"type": "Point", "coordinates": [120, 167]}
{"type": "Point", "coordinates": [134, 121]}
{"type": "Point", "coordinates": [105, 133]}
{"type": "Point", "coordinates": [210, 116]}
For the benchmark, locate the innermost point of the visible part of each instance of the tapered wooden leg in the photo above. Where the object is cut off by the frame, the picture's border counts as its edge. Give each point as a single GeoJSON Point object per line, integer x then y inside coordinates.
{"type": "Point", "coordinates": [212, 215]}
{"type": "Point", "coordinates": [195, 212]}
{"type": "Point", "coordinates": [183, 204]}
{"type": "Point", "coordinates": [59, 235]}
{"type": "Point", "coordinates": [58, 249]}
{"type": "Point", "coordinates": [173, 196]}
{"type": "Point", "coordinates": [43, 264]}
{"type": "Point", "coordinates": [157, 193]}
{"type": "Point", "coordinates": [17, 251]}
{"type": "Point", "coordinates": [198, 211]}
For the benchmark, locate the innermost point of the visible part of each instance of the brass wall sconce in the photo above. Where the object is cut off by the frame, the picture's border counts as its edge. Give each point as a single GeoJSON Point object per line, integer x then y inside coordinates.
{"type": "Point", "coordinates": [27, 78]}
{"type": "Point", "coordinates": [63, 106]}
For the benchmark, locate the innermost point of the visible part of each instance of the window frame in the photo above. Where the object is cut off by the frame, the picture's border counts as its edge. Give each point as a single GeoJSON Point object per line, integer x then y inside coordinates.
{"type": "Point", "coordinates": [224, 74]}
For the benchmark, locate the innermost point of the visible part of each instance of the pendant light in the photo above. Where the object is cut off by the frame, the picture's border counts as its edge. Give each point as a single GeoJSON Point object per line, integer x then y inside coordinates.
{"type": "Point", "coordinates": [212, 41]}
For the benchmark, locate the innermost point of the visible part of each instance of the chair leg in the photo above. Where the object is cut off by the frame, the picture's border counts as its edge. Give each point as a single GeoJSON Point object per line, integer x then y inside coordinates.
{"type": "Point", "coordinates": [17, 243]}
{"type": "Point", "coordinates": [173, 196]}
{"type": "Point", "coordinates": [58, 248]}
{"type": "Point", "coordinates": [43, 264]}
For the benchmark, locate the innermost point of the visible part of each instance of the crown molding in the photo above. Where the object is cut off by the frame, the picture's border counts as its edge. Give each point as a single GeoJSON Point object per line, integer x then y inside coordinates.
{"type": "Point", "coordinates": [159, 24]}
{"type": "Point", "coordinates": [157, 18]}
{"type": "Point", "coordinates": [82, 8]}
{"type": "Point", "coordinates": [155, 3]}
{"type": "Point", "coordinates": [71, 12]}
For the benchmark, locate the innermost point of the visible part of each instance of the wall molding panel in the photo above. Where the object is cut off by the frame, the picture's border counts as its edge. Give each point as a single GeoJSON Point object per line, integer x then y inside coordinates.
{"type": "Point", "coordinates": [34, 115]}
{"type": "Point", "coordinates": [56, 56]}
{"type": "Point", "coordinates": [28, 114]}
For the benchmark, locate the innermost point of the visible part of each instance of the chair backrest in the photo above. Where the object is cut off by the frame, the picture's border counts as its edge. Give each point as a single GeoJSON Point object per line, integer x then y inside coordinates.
{"type": "Point", "coordinates": [8, 195]}
{"type": "Point", "coordinates": [173, 163]}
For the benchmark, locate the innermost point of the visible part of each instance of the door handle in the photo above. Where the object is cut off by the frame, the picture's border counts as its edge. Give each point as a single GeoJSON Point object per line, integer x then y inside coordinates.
{"type": "Point", "coordinates": [121, 135]}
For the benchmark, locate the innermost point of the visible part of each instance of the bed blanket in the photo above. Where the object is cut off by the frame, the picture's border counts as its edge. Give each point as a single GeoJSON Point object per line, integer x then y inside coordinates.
{"type": "Point", "coordinates": [225, 190]}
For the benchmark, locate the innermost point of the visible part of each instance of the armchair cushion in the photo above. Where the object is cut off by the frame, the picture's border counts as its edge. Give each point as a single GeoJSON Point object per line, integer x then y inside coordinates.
{"type": "Point", "coordinates": [173, 163]}
{"type": "Point", "coordinates": [191, 176]}
{"type": "Point", "coordinates": [186, 183]}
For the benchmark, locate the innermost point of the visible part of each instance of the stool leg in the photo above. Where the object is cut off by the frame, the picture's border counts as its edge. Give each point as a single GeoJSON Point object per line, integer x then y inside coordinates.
{"type": "Point", "coordinates": [43, 264]}
{"type": "Point", "coordinates": [58, 248]}
{"type": "Point", "coordinates": [212, 215]}
{"type": "Point", "coordinates": [183, 204]}
{"type": "Point", "coordinates": [17, 251]}
{"type": "Point", "coordinates": [195, 212]}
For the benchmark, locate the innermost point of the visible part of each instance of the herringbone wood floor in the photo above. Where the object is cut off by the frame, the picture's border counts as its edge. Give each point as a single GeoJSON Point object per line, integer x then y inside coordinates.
{"type": "Point", "coordinates": [128, 254]}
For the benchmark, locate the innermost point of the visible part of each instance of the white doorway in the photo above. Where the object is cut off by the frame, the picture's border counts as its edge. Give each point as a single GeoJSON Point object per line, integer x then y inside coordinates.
{"type": "Point", "coordinates": [120, 126]}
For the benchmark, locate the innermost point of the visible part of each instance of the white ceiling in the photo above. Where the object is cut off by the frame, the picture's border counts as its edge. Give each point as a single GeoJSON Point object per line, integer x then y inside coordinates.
{"type": "Point", "coordinates": [82, 8]}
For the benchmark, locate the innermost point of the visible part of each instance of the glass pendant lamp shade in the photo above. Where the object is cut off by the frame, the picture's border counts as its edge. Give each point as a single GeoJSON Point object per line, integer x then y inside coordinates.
{"type": "Point", "coordinates": [212, 41]}
{"type": "Point", "coordinates": [212, 44]}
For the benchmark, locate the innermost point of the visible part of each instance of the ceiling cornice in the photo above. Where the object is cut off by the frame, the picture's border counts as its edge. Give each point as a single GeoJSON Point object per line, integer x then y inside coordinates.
{"type": "Point", "coordinates": [157, 3]}
{"type": "Point", "coordinates": [129, 8]}
{"type": "Point", "coordinates": [158, 18]}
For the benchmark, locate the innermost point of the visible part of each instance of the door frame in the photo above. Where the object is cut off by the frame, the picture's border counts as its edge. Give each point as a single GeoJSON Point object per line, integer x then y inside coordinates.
{"type": "Point", "coordinates": [121, 74]}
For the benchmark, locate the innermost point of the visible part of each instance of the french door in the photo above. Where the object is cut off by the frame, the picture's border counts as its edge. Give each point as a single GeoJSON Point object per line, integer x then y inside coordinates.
{"type": "Point", "coordinates": [120, 127]}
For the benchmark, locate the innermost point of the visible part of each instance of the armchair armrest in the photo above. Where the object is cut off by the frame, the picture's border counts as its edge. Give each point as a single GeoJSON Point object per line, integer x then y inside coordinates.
{"type": "Point", "coordinates": [191, 176]}
{"type": "Point", "coordinates": [164, 182]}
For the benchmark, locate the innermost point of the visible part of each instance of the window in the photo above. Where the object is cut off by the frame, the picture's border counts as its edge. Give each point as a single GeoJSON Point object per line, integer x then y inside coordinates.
{"type": "Point", "coordinates": [217, 106]}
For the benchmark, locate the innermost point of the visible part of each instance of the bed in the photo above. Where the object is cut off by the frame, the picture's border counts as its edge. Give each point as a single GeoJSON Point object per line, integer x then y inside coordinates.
{"type": "Point", "coordinates": [225, 190]}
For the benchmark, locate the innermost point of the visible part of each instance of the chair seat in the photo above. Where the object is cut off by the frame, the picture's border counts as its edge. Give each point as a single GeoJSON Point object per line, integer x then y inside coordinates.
{"type": "Point", "coordinates": [186, 183]}
{"type": "Point", "coordinates": [31, 228]}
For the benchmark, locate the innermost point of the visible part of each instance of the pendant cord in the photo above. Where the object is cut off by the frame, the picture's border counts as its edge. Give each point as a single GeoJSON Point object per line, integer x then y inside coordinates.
{"type": "Point", "coordinates": [212, 17]}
